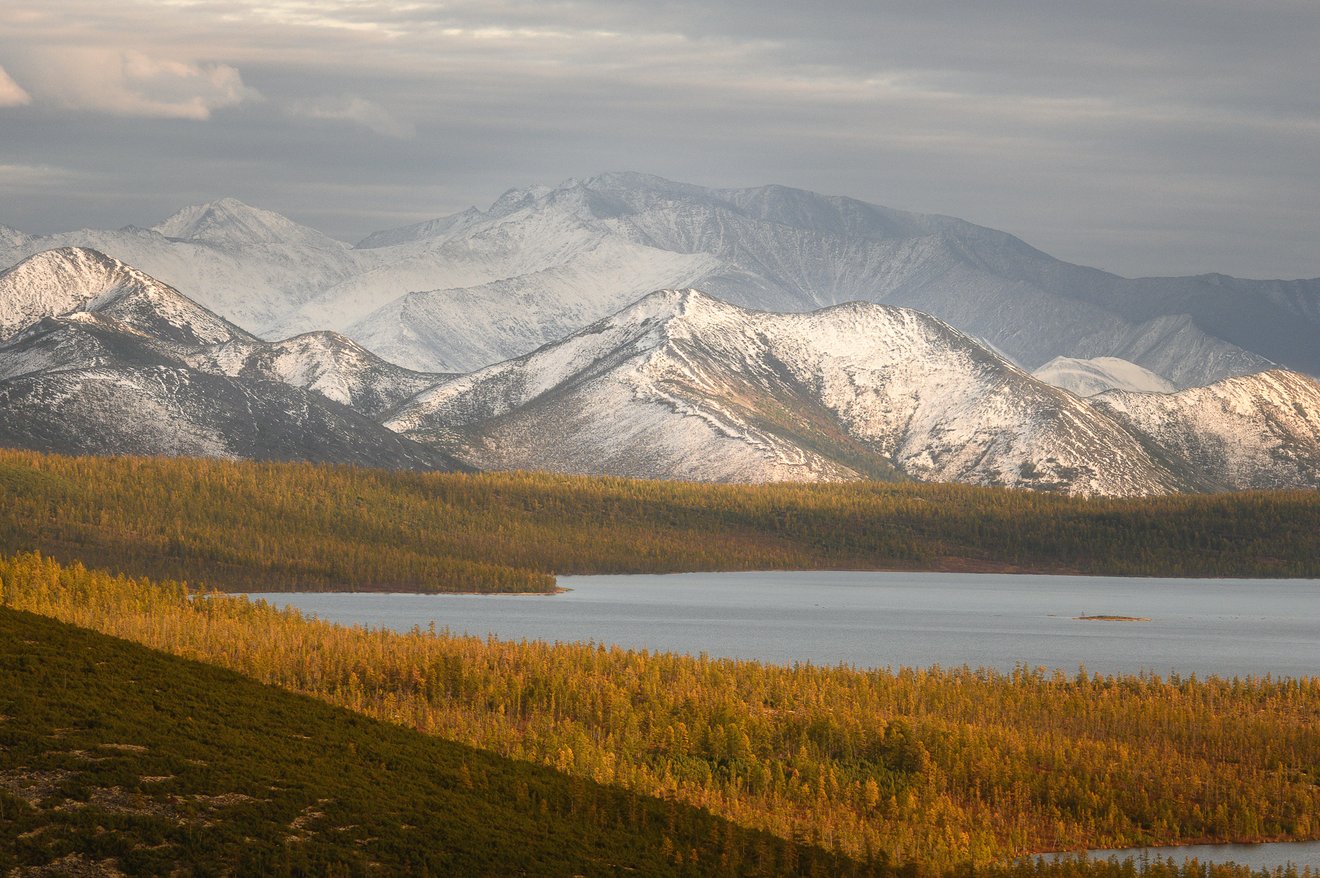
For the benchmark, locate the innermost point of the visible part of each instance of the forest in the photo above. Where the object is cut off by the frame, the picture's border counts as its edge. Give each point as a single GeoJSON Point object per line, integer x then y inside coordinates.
{"type": "Point", "coordinates": [240, 526]}
{"type": "Point", "coordinates": [129, 759]}
{"type": "Point", "coordinates": [947, 770]}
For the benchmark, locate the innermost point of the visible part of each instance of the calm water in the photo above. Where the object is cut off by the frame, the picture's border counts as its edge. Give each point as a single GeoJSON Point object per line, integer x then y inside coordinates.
{"type": "Point", "coordinates": [1257, 856]}
{"type": "Point", "coordinates": [1224, 627]}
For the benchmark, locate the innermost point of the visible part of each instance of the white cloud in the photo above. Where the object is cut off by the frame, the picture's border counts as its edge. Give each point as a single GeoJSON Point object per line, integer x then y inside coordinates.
{"type": "Point", "coordinates": [127, 83]}
{"type": "Point", "coordinates": [351, 108]}
{"type": "Point", "coordinates": [11, 93]}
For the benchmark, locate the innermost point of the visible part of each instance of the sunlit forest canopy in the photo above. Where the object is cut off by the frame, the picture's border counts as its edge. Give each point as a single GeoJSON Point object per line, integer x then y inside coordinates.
{"type": "Point", "coordinates": [286, 526]}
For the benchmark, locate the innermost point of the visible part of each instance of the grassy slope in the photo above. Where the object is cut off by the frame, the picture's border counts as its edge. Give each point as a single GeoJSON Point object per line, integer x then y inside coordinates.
{"type": "Point", "coordinates": [241, 526]}
{"type": "Point", "coordinates": [116, 756]}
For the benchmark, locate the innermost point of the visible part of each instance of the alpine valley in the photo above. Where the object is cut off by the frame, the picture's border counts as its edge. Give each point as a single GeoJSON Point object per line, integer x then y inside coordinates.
{"type": "Point", "coordinates": [632, 326]}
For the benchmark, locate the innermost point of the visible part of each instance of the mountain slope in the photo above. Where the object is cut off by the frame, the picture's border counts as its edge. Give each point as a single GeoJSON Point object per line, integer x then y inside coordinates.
{"type": "Point", "coordinates": [120, 363]}
{"type": "Point", "coordinates": [681, 385]}
{"type": "Point", "coordinates": [1253, 431]}
{"type": "Point", "coordinates": [328, 363]}
{"type": "Point", "coordinates": [784, 249]}
{"type": "Point", "coordinates": [1089, 377]}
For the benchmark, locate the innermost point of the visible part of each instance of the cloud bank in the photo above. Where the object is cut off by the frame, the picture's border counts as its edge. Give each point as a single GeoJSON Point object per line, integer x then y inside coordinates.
{"type": "Point", "coordinates": [132, 83]}
{"type": "Point", "coordinates": [1169, 138]}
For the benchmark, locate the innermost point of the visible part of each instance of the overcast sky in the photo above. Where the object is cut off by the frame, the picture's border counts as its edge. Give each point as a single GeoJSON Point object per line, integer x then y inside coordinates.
{"type": "Point", "coordinates": [1142, 137]}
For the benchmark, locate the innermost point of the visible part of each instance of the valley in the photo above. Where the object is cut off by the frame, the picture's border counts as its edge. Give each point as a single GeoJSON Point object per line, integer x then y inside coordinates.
{"type": "Point", "coordinates": [895, 469]}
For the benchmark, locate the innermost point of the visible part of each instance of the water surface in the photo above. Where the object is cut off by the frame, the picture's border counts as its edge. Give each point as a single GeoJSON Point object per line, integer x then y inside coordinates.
{"type": "Point", "coordinates": [1257, 856]}
{"type": "Point", "coordinates": [1209, 626]}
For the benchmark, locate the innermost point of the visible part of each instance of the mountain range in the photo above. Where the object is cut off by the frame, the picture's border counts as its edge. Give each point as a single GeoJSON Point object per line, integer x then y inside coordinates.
{"type": "Point", "coordinates": [462, 292]}
{"type": "Point", "coordinates": [99, 357]}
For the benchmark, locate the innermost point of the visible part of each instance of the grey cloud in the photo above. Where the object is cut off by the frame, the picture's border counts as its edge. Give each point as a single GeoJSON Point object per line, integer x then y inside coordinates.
{"type": "Point", "coordinates": [1145, 138]}
{"type": "Point", "coordinates": [126, 82]}
{"type": "Point", "coordinates": [355, 110]}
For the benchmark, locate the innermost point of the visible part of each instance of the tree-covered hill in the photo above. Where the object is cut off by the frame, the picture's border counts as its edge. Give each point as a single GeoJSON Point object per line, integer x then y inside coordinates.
{"type": "Point", "coordinates": [287, 526]}
{"type": "Point", "coordinates": [119, 760]}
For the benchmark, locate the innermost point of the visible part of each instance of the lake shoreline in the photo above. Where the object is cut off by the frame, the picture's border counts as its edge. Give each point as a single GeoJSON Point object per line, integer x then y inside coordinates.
{"type": "Point", "coordinates": [1006, 623]}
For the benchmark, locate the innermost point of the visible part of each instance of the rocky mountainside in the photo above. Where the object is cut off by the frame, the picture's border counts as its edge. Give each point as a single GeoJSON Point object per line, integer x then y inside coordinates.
{"type": "Point", "coordinates": [108, 360]}
{"type": "Point", "coordinates": [1252, 431]}
{"type": "Point", "coordinates": [464, 291]}
{"type": "Point", "coordinates": [682, 385]}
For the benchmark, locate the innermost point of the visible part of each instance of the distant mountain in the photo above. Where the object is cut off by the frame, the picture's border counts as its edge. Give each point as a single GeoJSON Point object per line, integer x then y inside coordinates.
{"type": "Point", "coordinates": [681, 385]}
{"type": "Point", "coordinates": [1253, 431]}
{"type": "Point", "coordinates": [250, 265]}
{"type": "Point", "coordinates": [464, 291]}
{"type": "Point", "coordinates": [101, 358]}
{"type": "Point", "coordinates": [230, 222]}
{"type": "Point", "coordinates": [1089, 377]}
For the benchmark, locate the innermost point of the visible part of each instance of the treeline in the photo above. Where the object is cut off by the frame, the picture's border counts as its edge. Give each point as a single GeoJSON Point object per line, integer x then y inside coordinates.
{"type": "Point", "coordinates": [289, 526]}
{"type": "Point", "coordinates": [942, 767]}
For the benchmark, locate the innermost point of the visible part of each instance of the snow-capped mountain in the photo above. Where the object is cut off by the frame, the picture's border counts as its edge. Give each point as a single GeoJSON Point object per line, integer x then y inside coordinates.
{"type": "Point", "coordinates": [682, 385]}
{"type": "Point", "coordinates": [478, 287]}
{"type": "Point", "coordinates": [250, 265]}
{"type": "Point", "coordinates": [233, 223]}
{"type": "Point", "coordinates": [1252, 431]}
{"type": "Point", "coordinates": [107, 359]}
{"type": "Point", "coordinates": [1089, 377]}
{"type": "Point", "coordinates": [103, 358]}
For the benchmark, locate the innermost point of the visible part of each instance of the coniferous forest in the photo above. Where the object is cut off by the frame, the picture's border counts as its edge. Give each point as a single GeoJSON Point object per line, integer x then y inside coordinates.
{"type": "Point", "coordinates": [946, 769]}
{"type": "Point", "coordinates": [598, 760]}
{"type": "Point", "coordinates": [288, 526]}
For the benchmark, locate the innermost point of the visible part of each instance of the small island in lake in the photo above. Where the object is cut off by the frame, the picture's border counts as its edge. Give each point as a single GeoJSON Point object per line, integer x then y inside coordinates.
{"type": "Point", "coordinates": [1108, 618]}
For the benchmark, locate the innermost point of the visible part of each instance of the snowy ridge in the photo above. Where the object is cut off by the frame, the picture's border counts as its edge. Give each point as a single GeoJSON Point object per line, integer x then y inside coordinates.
{"type": "Point", "coordinates": [1089, 377]}
{"type": "Point", "coordinates": [1253, 431]}
{"type": "Point", "coordinates": [328, 363]}
{"type": "Point", "coordinates": [242, 273]}
{"type": "Point", "coordinates": [683, 385]}
{"type": "Point", "coordinates": [118, 363]}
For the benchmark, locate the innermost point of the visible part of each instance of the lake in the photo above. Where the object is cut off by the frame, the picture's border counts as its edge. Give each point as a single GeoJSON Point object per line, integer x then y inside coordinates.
{"type": "Point", "coordinates": [1257, 856]}
{"type": "Point", "coordinates": [1206, 626]}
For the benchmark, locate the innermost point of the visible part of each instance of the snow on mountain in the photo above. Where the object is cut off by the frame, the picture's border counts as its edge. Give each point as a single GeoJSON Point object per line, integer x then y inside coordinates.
{"type": "Point", "coordinates": [250, 265]}
{"type": "Point", "coordinates": [430, 230]}
{"type": "Point", "coordinates": [334, 366]}
{"type": "Point", "coordinates": [174, 410]}
{"type": "Point", "coordinates": [681, 385]}
{"type": "Point", "coordinates": [230, 222]}
{"type": "Point", "coordinates": [59, 282]}
{"type": "Point", "coordinates": [784, 249]}
{"type": "Point", "coordinates": [109, 360]}
{"type": "Point", "coordinates": [1089, 377]}
{"type": "Point", "coordinates": [478, 287]}
{"type": "Point", "coordinates": [1252, 431]}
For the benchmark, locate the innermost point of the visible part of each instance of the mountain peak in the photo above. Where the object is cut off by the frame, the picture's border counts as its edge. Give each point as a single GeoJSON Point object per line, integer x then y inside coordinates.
{"type": "Point", "coordinates": [55, 283]}
{"type": "Point", "coordinates": [229, 221]}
